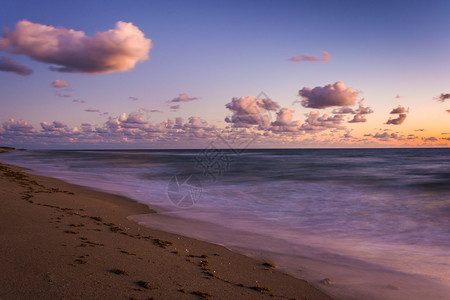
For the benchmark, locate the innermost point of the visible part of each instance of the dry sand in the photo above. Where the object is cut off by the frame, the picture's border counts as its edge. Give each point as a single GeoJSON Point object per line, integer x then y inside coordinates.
{"type": "Point", "coordinates": [61, 241]}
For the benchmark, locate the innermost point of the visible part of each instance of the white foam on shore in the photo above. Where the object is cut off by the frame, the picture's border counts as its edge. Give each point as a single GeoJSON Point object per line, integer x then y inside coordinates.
{"type": "Point", "coordinates": [313, 258]}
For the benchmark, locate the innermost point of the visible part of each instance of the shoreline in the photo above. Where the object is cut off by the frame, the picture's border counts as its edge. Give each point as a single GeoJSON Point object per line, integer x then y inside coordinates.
{"type": "Point", "coordinates": [67, 241]}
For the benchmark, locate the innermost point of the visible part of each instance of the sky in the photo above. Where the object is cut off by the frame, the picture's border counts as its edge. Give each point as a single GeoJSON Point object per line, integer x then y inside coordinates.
{"type": "Point", "coordinates": [184, 74]}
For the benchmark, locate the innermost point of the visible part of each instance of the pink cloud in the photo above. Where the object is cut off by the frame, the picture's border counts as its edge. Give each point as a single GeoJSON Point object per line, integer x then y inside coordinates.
{"type": "Point", "coordinates": [311, 58]}
{"type": "Point", "coordinates": [117, 49]}
{"type": "Point", "coordinates": [9, 65]}
{"type": "Point", "coordinates": [363, 110]}
{"type": "Point", "coordinates": [183, 98]}
{"type": "Point", "coordinates": [327, 96]}
{"type": "Point", "coordinates": [284, 121]}
{"type": "Point", "coordinates": [59, 83]}
{"type": "Point", "coordinates": [249, 111]}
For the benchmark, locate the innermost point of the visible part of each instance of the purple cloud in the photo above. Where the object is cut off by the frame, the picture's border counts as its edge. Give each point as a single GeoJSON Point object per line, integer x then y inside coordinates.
{"type": "Point", "coordinates": [175, 107]}
{"type": "Point", "coordinates": [54, 126]}
{"type": "Point", "coordinates": [316, 122]}
{"type": "Point", "coordinates": [9, 65]}
{"type": "Point", "coordinates": [18, 127]}
{"type": "Point", "coordinates": [91, 110]}
{"type": "Point", "coordinates": [330, 95]}
{"type": "Point", "coordinates": [397, 121]}
{"type": "Point", "coordinates": [359, 118]}
{"type": "Point", "coordinates": [78, 101]}
{"type": "Point", "coordinates": [399, 110]}
{"type": "Point", "coordinates": [442, 97]}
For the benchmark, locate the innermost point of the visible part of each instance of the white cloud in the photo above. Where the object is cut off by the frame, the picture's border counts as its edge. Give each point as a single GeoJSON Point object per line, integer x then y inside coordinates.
{"type": "Point", "coordinates": [117, 49]}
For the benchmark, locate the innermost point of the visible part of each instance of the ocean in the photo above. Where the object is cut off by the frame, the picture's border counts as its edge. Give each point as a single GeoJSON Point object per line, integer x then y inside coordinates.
{"type": "Point", "coordinates": [376, 222]}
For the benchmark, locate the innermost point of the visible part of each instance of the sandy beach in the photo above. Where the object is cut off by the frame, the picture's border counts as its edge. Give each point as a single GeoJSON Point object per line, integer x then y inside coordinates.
{"type": "Point", "coordinates": [63, 241]}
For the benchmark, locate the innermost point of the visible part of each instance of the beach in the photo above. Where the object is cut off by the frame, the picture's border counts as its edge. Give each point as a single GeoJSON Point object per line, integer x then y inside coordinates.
{"type": "Point", "coordinates": [355, 223]}
{"type": "Point", "coordinates": [63, 241]}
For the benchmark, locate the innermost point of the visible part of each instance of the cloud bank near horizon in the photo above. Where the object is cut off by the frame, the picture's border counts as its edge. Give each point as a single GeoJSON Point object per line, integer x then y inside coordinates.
{"type": "Point", "coordinates": [262, 117]}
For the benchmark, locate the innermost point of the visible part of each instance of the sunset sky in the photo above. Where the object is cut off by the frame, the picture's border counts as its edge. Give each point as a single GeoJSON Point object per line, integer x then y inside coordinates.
{"type": "Point", "coordinates": [174, 74]}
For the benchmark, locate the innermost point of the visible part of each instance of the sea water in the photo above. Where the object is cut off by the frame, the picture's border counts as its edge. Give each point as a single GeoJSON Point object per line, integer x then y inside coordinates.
{"type": "Point", "coordinates": [376, 222]}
